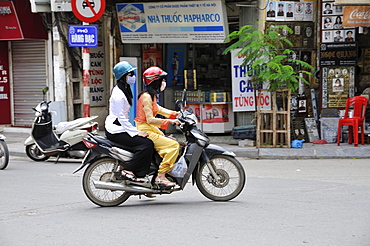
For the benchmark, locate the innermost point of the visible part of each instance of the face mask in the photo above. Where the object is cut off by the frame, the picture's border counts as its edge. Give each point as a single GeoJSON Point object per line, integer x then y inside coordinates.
{"type": "Point", "coordinates": [163, 86]}
{"type": "Point", "coordinates": [131, 80]}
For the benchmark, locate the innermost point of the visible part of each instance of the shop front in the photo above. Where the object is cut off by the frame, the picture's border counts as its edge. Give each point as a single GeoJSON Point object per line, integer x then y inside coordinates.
{"type": "Point", "coordinates": [344, 58]}
{"type": "Point", "coordinates": [186, 40]}
{"type": "Point", "coordinates": [23, 62]}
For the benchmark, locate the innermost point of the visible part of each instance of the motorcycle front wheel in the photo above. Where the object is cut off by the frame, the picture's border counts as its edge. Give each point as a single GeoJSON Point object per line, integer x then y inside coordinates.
{"type": "Point", "coordinates": [101, 170]}
{"type": "Point", "coordinates": [34, 153]}
{"type": "Point", "coordinates": [4, 155]}
{"type": "Point", "coordinates": [230, 179]}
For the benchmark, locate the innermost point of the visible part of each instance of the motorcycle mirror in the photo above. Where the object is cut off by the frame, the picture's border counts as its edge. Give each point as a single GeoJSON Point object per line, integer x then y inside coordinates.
{"type": "Point", "coordinates": [178, 105]}
{"type": "Point", "coordinates": [46, 89]}
{"type": "Point", "coordinates": [183, 98]}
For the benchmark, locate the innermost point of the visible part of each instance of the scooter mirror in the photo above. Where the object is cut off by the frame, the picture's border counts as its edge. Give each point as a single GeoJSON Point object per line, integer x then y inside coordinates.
{"type": "Point", "coordinates": [46, 89]}
{"type": "Point", "coordinates": [178, 104]}
{"type": "Point", "coordinates": [183, 98]}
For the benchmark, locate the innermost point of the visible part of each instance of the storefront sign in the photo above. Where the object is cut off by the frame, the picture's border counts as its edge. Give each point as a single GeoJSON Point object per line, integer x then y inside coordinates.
{"type": "Point", "coordinates": [173, 22]}
{"type": "Point", "coordinates": [9, 24]}
{"type": "Point", "coordinates": [83, 35]}
{"type": "Point", "coordinates": [4, 85]}
{"type": "Point", "coordinates": [243, 95]}
{"type": "Point", "coordinates": [354, 16]}
{"type": "Point", "coordinates": [338, 54]}
{"type": "Point", "coordinates": [97, 73]}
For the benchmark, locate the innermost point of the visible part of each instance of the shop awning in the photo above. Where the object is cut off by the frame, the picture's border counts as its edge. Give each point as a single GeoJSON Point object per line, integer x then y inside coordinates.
{"type": "Point", "coordinates": [351, 2]}
{"type": "Point", "coordinates": [18, 23]}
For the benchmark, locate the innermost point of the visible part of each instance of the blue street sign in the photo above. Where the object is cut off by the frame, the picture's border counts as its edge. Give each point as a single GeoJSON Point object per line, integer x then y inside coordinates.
{"type": "Point", "coordinates": [83, 35]}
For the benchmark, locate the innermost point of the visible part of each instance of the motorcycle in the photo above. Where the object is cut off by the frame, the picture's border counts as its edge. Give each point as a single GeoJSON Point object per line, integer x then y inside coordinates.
{"type": "Point", "coordinates": [218, 175]}
{"type": "Point", "coordinates": [4, 153]}
{"type": "Point", "coordinates": [65, 141]}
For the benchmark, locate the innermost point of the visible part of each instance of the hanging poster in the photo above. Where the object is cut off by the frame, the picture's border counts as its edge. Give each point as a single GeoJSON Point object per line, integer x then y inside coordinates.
{"type": "Point", "coordinates": [215, 113]}
{"type": "Point", "coordinates": [308, 13]}
{"type": "Point", "coordinates": [271, 11]}
{"type": "Point", "coordinates": [152, 55]}
{"type": "Point", "coordinates": [299, 11]}
{"type": "Point", "coordinates": [176, 60]}
{"type": "Point", "coordinates": [289, 11]}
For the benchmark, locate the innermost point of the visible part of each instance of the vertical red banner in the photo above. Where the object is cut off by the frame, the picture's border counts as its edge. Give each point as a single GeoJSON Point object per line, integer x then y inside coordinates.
{"type": "Point", "coordinates": [5, 118]}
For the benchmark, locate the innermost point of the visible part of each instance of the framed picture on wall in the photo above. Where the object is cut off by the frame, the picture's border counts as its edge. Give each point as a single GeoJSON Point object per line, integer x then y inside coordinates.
{"type": "Point", "coordinates": [338, 85]}
{"type": "Point", "coordinates": [349, 35]}
{"type": "Point", "coordinates": [327, 22]}
{"type": "Point", "coordinates": [327, 9]}
{"type": "Point", "coordinates": [327, 36]}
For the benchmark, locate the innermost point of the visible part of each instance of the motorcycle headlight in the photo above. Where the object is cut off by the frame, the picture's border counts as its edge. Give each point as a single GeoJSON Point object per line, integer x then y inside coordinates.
{"type": "Point", "coordinates": [201, 139]}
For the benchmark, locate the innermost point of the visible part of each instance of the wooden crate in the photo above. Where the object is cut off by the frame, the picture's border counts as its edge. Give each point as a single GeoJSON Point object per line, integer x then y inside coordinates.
{"type": "Point", "coordinates": [273, 126]}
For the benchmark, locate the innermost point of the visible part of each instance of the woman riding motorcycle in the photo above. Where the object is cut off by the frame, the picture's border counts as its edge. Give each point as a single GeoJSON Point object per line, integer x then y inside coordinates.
{"type": "Point", "coordinates": [147, 109]}
{"type": "Point", "coordinates": [119, 129]}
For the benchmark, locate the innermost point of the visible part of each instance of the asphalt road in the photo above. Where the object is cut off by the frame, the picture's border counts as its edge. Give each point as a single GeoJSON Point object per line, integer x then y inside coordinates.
{"type": "Point", "coordinates": [284, 203]}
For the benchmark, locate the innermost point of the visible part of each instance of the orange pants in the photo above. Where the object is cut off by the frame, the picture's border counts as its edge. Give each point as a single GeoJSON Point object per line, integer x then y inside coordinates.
{"type": "Point", "coordinates": [167, 148]}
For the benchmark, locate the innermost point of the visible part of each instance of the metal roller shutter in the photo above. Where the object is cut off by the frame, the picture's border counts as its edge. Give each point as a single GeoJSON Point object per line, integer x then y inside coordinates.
{"type": "Point", "coordinates": [29, 78]}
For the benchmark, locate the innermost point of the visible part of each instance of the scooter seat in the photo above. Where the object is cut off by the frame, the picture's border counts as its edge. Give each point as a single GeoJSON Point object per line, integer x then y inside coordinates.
{"type": "Point", "coordinates": [60, 146]}
{"type": "Point", "coordinates": [109, 143]}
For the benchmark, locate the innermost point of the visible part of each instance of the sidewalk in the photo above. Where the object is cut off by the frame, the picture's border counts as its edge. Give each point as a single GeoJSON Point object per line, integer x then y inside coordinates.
{"type": "Point", "coordinates": [15, 138]}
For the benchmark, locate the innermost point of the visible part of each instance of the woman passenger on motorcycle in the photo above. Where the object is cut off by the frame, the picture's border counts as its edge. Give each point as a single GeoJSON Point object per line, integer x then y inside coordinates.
{"type": "Point", "coordinates": [120, 130]}
{"type": "Point", "coordinates": [147, 109]}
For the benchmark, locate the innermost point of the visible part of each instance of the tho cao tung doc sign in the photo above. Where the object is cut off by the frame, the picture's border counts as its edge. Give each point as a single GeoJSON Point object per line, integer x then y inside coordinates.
{"type": "Point", "coordinates": [243, 94]}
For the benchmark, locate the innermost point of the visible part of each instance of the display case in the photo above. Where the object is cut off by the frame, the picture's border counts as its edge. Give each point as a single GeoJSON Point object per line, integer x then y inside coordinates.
{"type": "Point", "coordinates": [212, 109]}
{"type": "Point", "coordinates": [212, 67]}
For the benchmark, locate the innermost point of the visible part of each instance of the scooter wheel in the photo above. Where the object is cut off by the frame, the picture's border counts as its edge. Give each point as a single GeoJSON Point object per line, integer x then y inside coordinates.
{"type": "Point", "coordinates": [34, 153]}
{"type": "Point", "coordinates": [4, 155]}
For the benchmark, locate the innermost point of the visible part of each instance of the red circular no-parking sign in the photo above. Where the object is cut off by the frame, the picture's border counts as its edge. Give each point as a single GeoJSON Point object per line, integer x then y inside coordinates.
{"type": "Point", "coordinates": [88, 10]}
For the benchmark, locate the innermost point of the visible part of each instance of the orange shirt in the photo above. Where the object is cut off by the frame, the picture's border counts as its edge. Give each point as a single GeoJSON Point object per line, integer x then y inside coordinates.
{"type": "Point", "coordinates": [147, 109]}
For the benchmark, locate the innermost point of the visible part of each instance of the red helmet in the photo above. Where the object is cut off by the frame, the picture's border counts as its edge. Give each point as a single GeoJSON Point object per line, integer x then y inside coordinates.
{"type": "Point", "coordinates": [153, 73]}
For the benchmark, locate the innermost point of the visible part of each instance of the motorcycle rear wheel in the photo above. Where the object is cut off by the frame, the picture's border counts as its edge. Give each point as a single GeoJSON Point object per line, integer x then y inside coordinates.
{"type": "Point", "coordinates": [231, 179]}
{"type": "Point", "coordinates": [4, 155]}
{"type": "Point", "coordinates": [101, 170]}
{"type": "Point", "coordinates": [34, 153]}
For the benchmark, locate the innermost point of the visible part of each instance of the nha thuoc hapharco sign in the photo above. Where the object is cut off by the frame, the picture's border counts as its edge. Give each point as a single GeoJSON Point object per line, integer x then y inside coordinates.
{"type": "Point", "coordinates": [173, 22]}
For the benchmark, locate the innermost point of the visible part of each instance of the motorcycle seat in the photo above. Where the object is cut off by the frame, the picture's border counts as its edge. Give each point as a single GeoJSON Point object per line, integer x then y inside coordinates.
{"type": "Point", "coordinates": [109, 143]}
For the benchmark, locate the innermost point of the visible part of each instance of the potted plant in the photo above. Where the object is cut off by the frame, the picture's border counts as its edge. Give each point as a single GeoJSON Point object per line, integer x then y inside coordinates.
{"type": "Point", "coordinates": [270, 60]}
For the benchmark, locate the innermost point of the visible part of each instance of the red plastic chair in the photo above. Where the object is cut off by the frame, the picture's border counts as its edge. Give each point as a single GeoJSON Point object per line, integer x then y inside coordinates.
{"type": "Point", "coordinates": [358, 104]}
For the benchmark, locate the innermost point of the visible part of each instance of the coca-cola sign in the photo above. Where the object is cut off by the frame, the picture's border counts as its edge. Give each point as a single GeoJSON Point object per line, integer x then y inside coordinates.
{"type": "Point", "coordinates": [354, 16]}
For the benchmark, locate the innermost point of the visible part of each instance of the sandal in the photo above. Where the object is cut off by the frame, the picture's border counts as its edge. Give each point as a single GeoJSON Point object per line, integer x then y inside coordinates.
{"type": "Point", "coordinates": [129, 176]}
{"type": "Point", "coordinates": [166, 183]}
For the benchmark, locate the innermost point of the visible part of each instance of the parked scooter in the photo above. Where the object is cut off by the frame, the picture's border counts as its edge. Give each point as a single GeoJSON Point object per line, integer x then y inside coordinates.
{"type": "Point", "coordinates": [4, 153]}
{"type": "Point", "coordinates": [65, 141]}
{"type": "Point", "coordinates": [218, 175]}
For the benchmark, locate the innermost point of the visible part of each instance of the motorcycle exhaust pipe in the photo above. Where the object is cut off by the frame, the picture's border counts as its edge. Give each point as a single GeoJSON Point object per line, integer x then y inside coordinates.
{"type": "Point", "coordinates": [118, 186]}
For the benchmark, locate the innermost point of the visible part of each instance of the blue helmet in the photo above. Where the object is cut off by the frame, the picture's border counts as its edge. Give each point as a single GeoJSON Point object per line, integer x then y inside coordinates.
{"type": "Point", "coordinates": [122, 68]}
